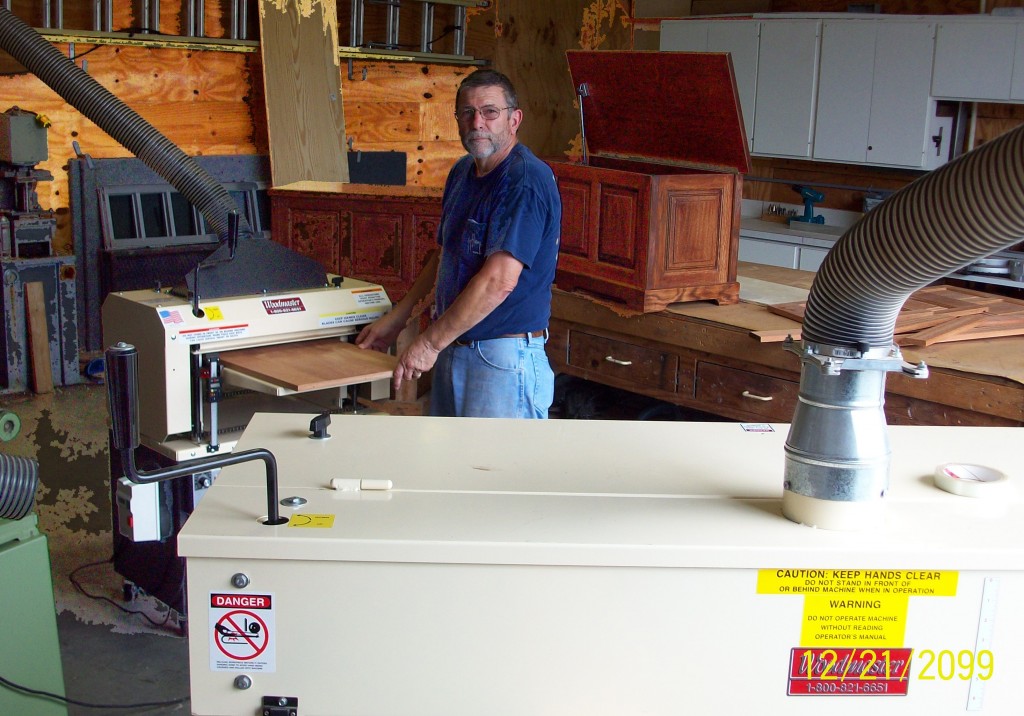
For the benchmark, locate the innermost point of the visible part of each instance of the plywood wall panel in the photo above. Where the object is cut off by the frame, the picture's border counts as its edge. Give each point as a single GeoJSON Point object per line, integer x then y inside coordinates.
{"type": "Point", "coordinates": [139, 75]}
{"type": "Point", "coordinates": [401, 82]}
{"type": "Point", "coordinates": [384, 121]}
{"type": "Point", "coordinates": [438, 123]}
{"type": "Point", "coordinates": [530, 40]}
{"type": "Point", "coordinates": [377, 112]}
{"type": "Point", "coordinates": [197, 99]}
{"type": "Point", "coordinates": [208, 128]}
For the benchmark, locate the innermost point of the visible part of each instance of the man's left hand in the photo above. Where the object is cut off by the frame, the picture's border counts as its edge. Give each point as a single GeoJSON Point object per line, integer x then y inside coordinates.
{"type": "Point", "coordinates": [415, 360]}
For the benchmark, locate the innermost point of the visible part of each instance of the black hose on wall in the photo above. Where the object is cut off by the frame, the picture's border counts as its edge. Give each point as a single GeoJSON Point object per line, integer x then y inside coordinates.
{"type": "Point", "coordinates": [119, 121]}
{"type": "Point", "coordinates": [963, 211]}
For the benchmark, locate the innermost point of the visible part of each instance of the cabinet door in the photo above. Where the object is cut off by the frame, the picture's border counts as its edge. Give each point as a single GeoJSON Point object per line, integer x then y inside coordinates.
{"type": "Point", "coordinates": [787, 73]}
{"type": "Point", "coordinates": [873, 103]}
{"type": "Point", "coordinates": [772, 253]}
{"type": "Point", "coordinates": [844, 91]}
{"type": "Point", "coordinates": [684, 35]}
{"type": "Point", "coordinates": [974, 60]}
{"type": "Point", "coordinates": [900, 102]}
{"type": "Point", "coordinates": [1017, 85]}
{"type": "Point", "coordinates": [740, 39]}
{"type": "Point", "coordinates": [811, 258]}
{"type": "Point", "coordinates": [737, 37]}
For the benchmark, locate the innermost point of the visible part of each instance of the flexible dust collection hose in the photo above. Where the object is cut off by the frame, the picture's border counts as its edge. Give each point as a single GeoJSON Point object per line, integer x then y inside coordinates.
{"type": "Point", "coordinates": [963, 211]}
{"type": "Point", "coordinates": [837, 451]}
{"type": "Point", "coordinates": [119, 121]}
{"type": "Point", "coordinates": [19, 478]}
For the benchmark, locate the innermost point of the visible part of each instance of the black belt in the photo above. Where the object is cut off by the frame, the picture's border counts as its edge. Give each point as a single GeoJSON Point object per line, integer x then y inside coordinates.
{"type": "Point", "coordinates": [533, 334]}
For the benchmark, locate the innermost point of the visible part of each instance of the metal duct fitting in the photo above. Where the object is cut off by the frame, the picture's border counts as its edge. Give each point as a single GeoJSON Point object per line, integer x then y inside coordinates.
{"type": "Point", "coordinates": [118, 120]}
{"type": "Point", "coordinates": [837, 451]}
{"type": "Point", "coordinates": [19, 478]}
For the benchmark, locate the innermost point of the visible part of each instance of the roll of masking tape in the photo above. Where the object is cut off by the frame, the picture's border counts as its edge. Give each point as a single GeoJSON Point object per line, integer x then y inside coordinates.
{"type": "Point", "coordinates": [10, 425]}
{"type": "Point", "coordinates": [970, 480]}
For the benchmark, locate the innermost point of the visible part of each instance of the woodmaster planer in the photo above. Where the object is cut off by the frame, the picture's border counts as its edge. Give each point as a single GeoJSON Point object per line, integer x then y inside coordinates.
{"type": "Point", "coordinates": [205, 368]}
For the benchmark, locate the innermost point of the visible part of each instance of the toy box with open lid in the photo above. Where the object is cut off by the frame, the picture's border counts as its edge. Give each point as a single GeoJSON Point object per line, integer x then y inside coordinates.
{"type": "Point", "coordinates": [652, 215]}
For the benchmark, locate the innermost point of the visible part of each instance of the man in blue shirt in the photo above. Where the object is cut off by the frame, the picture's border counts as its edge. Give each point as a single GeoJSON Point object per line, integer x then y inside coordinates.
{"type": "Point", "coordinates": [500, 226]}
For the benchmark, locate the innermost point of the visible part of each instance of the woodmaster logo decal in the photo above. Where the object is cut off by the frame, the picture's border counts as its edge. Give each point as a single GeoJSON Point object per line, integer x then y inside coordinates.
{"type": "Point", "coordinates": [274, 306]}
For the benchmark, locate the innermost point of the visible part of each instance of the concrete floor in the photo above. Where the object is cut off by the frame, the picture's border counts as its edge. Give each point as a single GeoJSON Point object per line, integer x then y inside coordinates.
{"type": "Point", "coordinates": [108, 657]}
{"type": "Point", "coordinates": [104, 667]}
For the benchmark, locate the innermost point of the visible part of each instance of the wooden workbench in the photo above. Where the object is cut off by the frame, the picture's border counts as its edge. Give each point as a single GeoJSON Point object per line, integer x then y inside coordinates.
{"type": "Point", "coordinates": [703, 356]}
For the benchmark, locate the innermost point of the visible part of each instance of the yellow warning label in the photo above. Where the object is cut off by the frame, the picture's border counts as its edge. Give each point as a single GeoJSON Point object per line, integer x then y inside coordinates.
{"type": "Point", "coordinates": [213, 313]}
{"type": "Point", "coordinates": [301, 520]}
{"type": "Point", "coordinates": [855, 607]}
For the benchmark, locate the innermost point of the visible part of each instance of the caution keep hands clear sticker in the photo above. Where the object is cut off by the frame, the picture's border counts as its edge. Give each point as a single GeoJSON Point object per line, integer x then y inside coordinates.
{"type": "Point", "coordinates": [853, 627]}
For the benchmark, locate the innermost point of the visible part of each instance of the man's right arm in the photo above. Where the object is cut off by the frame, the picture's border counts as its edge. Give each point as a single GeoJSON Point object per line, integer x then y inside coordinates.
{"type": "Point", "coordinates": [383, 332]}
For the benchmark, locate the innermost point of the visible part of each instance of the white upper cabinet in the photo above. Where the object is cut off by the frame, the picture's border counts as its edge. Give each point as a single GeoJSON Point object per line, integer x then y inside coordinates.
{"type": "Point", "coordinates": [787, 74]}
{"type": "Point", "coordinates": [974, 59]}
{"type": "Point", "coordinates": [684, 35]}
{"type": "Point", "coordinates": [737, 37]}
{"type": "Point", "coordinates": [873, 100]}
{"type": "Point", "coordinates": [1017, 81]}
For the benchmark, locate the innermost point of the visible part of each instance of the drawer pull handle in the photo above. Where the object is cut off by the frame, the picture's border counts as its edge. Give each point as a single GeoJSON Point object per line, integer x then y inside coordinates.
{"type": "Point", "coordinates": [748, 394]}
{"type": "Point", "coordinates": [616, 361]}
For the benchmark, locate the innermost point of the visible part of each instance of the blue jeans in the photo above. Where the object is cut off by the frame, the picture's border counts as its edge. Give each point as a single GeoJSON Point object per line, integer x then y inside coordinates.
{"type": "Point", "coordinates": [496, 378]}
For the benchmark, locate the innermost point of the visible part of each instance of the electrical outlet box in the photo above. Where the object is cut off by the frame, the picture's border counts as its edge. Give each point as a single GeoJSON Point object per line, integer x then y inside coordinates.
{"type": "Point", "coordinates": [138, 516]}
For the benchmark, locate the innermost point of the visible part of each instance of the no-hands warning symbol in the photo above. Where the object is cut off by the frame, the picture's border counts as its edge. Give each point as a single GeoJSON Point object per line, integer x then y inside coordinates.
{"type": "Point", "coordinates": [241, 635]}
{"type": "Point", "coordinates": [242, 632]}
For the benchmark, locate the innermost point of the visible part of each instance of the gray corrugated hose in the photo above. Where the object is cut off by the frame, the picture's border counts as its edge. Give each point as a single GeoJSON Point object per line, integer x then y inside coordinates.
{"type": "Point", "coordinates": [837, 452]}
{"type": "Point", "coordinates": [119, 121]}
{"type": "Point", "coordinates": [19, 478]}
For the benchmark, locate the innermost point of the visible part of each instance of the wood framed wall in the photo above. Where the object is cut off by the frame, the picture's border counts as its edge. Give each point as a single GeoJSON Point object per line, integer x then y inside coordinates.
{"type": "Point", "coordinates": [211, 102]}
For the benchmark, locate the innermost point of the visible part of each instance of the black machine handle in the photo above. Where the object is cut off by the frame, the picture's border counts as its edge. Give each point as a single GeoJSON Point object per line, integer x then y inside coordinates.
{"type": "Point", "coordinates": [122, 367]}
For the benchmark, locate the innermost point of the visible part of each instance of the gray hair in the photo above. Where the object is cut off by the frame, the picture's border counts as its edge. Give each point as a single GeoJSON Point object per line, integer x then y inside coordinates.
{"type": "Point", "coordinates": [489, 78]}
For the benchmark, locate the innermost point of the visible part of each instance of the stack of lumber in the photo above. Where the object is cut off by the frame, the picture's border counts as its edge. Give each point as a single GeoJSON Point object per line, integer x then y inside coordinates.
{"type": "Point", "coordinates": [938, 314]}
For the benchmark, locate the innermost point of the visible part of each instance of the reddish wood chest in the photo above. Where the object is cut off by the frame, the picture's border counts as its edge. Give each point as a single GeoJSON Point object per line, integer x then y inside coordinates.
{"type": "Point", "coordinates": [376, 233]}
{"type": "Point", "coordinates": [652, 216]}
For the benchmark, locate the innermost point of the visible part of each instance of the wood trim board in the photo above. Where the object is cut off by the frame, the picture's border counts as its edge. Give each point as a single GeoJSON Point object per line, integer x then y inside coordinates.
{"type": "Point", "coordinates": [302, 85]}
{"type": "Point", "coordinates": [941, 314]}
{"type": "Point", "coordinates": [38, 338]}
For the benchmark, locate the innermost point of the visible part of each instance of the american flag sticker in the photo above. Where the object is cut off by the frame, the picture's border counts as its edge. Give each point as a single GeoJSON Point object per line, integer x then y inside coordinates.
{"type": "Point", "coordinates": [170, 317]}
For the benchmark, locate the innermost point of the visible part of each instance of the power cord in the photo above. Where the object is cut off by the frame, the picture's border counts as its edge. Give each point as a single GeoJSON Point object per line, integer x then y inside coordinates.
{"type": "Point", "coordinates": [64, 699]}
{"type": "Point", "coordinates": [99, 597]}
{"type": "Point", "coordinates": [13, 686]}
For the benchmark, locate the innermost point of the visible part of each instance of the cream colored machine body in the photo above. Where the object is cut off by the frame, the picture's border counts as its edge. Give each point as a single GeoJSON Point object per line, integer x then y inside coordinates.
{"type": "Point", "coordinates": [175, 347]}
{"type": "Point", "coordinates": [448, 567]}
{"type": "Point", "coordinates": [197, 394]}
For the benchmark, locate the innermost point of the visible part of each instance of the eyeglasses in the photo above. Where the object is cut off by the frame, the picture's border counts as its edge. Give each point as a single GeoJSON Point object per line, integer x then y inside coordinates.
{"type": "Point", "coordinates": [466, 114]}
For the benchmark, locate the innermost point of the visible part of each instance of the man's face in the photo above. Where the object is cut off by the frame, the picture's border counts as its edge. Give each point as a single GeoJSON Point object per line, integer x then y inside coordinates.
{"type": "Point", "coordinates": [480, 136]}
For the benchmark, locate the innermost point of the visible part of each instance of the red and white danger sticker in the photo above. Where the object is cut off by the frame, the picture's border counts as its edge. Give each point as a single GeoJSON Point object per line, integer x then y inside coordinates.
{"type": "Point", "coordinates": [242, 632]}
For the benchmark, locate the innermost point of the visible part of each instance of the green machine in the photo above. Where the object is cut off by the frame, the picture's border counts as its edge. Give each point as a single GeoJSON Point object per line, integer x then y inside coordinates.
{"type": "Point", "coordinates": [30, 656]}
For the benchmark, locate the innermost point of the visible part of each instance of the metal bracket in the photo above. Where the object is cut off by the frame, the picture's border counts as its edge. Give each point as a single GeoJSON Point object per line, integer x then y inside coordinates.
{"type": "Point", "coordinates": [835, 364]}
{"type": "Point", "coordinates": [583, 91]}
{"type": "Point", "coordinates": [280, 706]}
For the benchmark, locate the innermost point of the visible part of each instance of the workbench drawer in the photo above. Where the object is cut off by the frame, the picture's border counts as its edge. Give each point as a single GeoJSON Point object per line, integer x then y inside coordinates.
{"type": "Point", "coordinates": [625, 363]}
{"type": "Point", "coordinates": [732, 391]}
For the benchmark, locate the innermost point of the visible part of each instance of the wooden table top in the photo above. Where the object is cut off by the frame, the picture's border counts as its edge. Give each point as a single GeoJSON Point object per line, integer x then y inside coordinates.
{"type": "Point", "coordinates": [311, 365]}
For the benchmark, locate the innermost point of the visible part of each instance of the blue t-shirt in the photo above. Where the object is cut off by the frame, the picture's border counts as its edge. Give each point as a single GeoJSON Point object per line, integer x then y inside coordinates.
{"type": "Point", "coordinates": [514, 208]}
